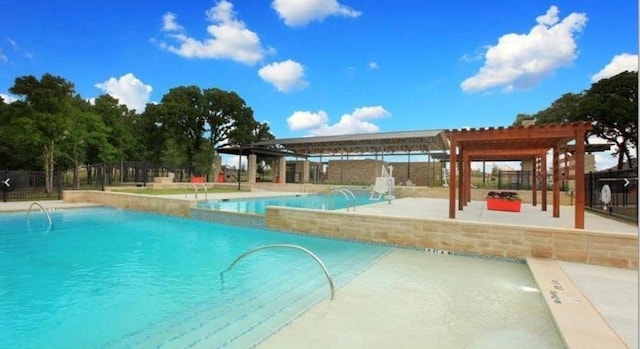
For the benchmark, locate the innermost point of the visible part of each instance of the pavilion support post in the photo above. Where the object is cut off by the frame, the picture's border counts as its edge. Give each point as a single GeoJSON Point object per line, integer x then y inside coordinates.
{"type": "Point", "coordinates": [306, 171]}
{"type": "Point", "coordinates": [556, 181]}
{"type": "Point", "coordinates": [218, 175]}
{"type": "Point", "coordinates": [579, 178]}
{"type": "Point", "coordinates": [543, 178]}
{"type": "Point", "coordinates": [409, 165]}
{"type": "Point", "coordinates": [534, 182]}
{"type": "Point", "coordinates": [452, 179]}
{"type": "Point", "coordinates": [460, 165]}
{"type": "Point", "coordinates": [321, 176]}
{"type": "Point", "coordinates": [252, 168]}
{"type": "Point", "coordinates": [467, 179]}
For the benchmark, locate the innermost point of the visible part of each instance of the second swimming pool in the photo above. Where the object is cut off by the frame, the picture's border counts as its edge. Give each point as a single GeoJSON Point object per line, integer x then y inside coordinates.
{"type": "Point", "coordinates": [332, 201]}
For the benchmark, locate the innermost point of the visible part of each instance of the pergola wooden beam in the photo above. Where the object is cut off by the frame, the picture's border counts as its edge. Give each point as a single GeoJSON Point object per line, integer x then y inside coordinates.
{"type": "Point", "coordinates": [518, 143]}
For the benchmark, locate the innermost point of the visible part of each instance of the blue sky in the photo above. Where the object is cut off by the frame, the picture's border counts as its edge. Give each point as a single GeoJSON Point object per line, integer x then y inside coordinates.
{"type": "Point", "coordinates": [320, 67]}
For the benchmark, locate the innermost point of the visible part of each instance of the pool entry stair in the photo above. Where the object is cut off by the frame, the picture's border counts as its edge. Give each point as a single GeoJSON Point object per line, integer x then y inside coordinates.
{"type": "Point", "coordinates": [296, 247]}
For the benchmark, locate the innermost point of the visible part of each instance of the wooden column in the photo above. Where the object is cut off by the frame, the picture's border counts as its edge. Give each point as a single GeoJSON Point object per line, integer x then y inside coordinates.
{"type": "Point", "coordinates": [461, 184]}
{"type": "Point", "coordinates": [534, 182]}
{"type": "Point", "coordinates": [556, 181]}
{"type": "Point", "coordinates": [468, 173]}
{"type": "Point", "coordinates": [543, 178]}
{"type": "Point", "coordinates": [579, 178]}
{"type": "Point", "coordinates": [452, 179]}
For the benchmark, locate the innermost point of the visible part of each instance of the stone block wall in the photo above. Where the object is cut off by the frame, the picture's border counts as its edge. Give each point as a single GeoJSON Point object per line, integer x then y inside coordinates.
{"type": "Point", "coordinates": [353, 171]}
{"type": "Point", "coordinates": [422, 173]}
{"type": "Point", "coordinates": [367, 170]}
{"type": "Point", "coordinates": [128, 201]}
{"type": "Point", "coordinates": [575, 245]}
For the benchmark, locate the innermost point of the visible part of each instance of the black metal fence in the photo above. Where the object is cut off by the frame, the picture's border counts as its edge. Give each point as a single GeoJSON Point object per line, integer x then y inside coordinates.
{"type": "Point", "coordinates": [523, 180]}
{"type": "Point", "coordinates": [29, 185]}
{"type": "Point", "coordinates": [18, 185]}
{"type": "Point", "coordinates": [614, 193]}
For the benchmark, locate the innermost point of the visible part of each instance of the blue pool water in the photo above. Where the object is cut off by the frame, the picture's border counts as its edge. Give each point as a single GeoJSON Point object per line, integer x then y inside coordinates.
{"type": "Point", "coordinates": [110, 278]}
{"type": "Point", "coordinates": [314, 201]}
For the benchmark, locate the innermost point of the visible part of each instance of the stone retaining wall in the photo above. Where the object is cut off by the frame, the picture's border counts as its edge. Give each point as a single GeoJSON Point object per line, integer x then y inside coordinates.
{"type": "Point", "coordinates": [614, 250]}
{"type": "Point", "coordinates": [128, 201]}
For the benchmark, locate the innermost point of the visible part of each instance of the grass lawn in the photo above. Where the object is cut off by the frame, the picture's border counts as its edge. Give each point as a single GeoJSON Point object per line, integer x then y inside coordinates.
{"type": "Point", "coordinates": [170, 191]}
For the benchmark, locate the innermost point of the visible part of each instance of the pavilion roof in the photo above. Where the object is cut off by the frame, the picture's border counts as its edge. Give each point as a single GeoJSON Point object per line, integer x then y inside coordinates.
{"type": "Point", "coordinates": [514, 143]}
{"type": "Point", "coordinates": [363, 143]}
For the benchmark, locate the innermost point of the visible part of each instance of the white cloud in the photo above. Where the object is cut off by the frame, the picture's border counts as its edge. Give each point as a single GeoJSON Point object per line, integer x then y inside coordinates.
{"type": "Point", "coordinates": [169, 22]}
{"type": "Point", "coordinates": [228, 37]}
{"type": "Point", "coordinates": [619, 64]}
{"type": "Point", "coordinates": [520, 61]}
{"type": "Point", "coordinates": [302, 120]}
{"type": "Point", "coordinates": [365, 113]}
{"type": "Point", "coordinates": [297, 13]}
{"type": "Point", "coordinates": [232, 162]}
{"type": "Point", "coordinates": [285, 76]}
{"type": "Point", "coordinates": [356, 122]}
{"type": "Point", "coordinates": [8, 98]}
{"type": "Point", "coordinates": [128, 90]}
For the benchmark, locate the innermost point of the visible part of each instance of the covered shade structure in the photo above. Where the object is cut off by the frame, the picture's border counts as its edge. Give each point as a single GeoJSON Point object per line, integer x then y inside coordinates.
{"type": "Point", "coordinates": [385, 143]}
{"type": "Point", "coordinates": [363, 143]}
{"type": "Point", "coordinates": [519, 143]}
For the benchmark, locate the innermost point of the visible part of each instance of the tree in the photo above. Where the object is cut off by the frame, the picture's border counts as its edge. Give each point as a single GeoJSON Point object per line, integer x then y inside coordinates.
{"type": "Point", "coordinates": [201, 120]}
{"type": "Point", "coordinates": [119, 120]}
{"type": "Point", "coordinates": [181, 110]}
{"type": "Point", "coordinates": [563, 109]}
{"type": "Point", "coordinates": [88, 132]}
{"type": "Point", "coordinates": [520, 118]}
{"type": "Point", "coordinates": [152, 133]}
{"type": "Point", "coordinates": [611, 105]}
{"type": "Point", "coordinates": [45, 115]}
{"type": "Point", "coordinates": [6, 141]}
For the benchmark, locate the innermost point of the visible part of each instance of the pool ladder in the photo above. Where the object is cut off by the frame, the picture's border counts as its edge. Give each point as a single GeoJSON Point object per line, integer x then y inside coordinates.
{"type": "Point", "coordinates": [42, 209]}
{"type": "Point", "coordinates": [296, 247]}
{"type": "Point", "coordinates": [348, 194]}
{"type": "Point", "coordinates": [204, 185]}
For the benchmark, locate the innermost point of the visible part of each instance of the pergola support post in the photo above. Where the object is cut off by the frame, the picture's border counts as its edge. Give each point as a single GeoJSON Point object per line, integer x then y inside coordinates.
{"type": "Point", "coordinates": [543, 178]}
{"type": "Point", "coordinates": [452, 179]}
{"type": "Point", "coordinates": [579, 178]}
{"type": "Point", "coordinates": [556, 181]}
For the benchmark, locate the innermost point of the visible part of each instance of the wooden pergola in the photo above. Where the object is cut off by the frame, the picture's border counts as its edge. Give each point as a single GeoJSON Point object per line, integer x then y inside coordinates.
{"type": "Point", "coordinates": [518, 144]}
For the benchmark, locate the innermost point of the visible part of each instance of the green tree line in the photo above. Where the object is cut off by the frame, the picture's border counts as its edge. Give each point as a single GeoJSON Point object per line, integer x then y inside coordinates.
{"type": "Point", "coordinates": [51, 127]}
{"type": "Point", "coordinates": [611, 105]}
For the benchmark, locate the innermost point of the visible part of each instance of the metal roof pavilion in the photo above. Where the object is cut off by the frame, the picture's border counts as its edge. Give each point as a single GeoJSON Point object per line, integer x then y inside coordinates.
{"type": "Point", "coordinates": [397, 143]}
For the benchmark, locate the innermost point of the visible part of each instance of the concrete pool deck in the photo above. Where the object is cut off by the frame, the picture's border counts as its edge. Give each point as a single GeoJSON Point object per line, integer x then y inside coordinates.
{"type": "Point", "coordinates": [613, 292]}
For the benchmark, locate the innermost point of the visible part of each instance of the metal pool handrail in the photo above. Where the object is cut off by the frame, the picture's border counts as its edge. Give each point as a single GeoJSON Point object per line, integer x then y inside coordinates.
{"type": "Point", "coordinates": [346, 193]}
{"type": "Point", "coordinates": [326, 272]}
{"type": "Point", "coordinates": [204, 185]}
{"type": "Point", "coordinates": [43, 210]}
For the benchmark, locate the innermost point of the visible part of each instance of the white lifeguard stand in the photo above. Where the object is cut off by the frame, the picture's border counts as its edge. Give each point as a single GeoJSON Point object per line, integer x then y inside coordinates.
{"type": "Point", "coordinates": [384, 185]}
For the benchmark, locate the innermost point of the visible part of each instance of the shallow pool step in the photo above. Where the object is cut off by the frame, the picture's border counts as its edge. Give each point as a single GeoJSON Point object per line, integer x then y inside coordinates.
{"type": "Point", "coordinates": [228, 321]}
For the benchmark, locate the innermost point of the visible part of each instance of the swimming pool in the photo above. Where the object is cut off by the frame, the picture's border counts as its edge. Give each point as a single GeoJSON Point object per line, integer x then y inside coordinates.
{"type": "Point", "coordinates": [109, 278]}
{"type": "Point", "coordinates": [332, 201]}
